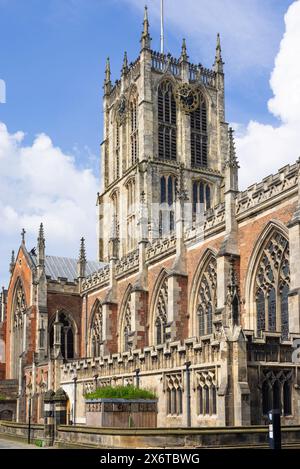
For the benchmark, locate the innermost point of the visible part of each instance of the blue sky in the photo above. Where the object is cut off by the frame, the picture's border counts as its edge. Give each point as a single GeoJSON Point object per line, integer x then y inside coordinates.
{"type": "Point", "coordinates": [53, 54]}
{"type": "Point", "coordinates": [52, 59]}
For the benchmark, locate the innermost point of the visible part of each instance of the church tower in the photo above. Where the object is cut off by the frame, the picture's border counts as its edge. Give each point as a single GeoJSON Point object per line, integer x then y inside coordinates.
{"type": "Point", "coordinates": [164, 122]}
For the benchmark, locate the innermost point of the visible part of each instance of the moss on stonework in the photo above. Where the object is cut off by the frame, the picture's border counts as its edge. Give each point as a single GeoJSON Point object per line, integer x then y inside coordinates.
{"type": "Point", "coordinates": [121, 392]}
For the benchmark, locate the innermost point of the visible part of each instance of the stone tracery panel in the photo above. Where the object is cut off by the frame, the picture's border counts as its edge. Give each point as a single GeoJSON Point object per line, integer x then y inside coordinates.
{"type": "Point", "coordinates": [161, 313]}
{"type": "Point", "coordinates": [97, 330]}
{"type": "Point", "coordinates": [271, 286]}
{"type": "Point", "coordinates": [207, 297]}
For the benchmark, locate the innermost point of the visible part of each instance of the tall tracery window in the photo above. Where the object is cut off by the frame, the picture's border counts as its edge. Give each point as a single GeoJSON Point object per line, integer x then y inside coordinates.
{"type": "Point", "coordinates": [134, 130]}
{"type": "Point", "coordinates": [66, 336]}
{"type": "Point", "coordinates": [131, 228]}
{"type": "Point", "coordinates": [117, 151]}
{"type": "Point", "coordinates": [199, 139]}
{"type": "Point", "coordinates": [115, 207]}
{"type": "Point", "coordinates": [168, 186]}
{"type": "Point", "coordinates": [126, 325]}
{"type": "Point", "coordinates": [201, 197]}
{"type": "Point", "coordinates": [19, 310]}
{"type": "Point", "coordinates": [272, 287]}
{"type": "Point", "coordinates": [161, 313]}
{"type": "Point", "coordinates": [167, 145]}
{"type": "Point", "coordinates": [207, 297]}
{"type": "Point", "coordinates": [97, 331]}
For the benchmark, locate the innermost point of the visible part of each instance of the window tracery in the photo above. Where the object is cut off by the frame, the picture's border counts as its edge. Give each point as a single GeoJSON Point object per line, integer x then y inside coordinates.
{"type": "Point", "coordinates": [207, 297]}
{"type": "Point", "coordinates": [167, 115]}
{"type": "Point", "coordinates": [199, 138]}
{"type": "Point", "coordinates": [272, 287]}
{"type": "Point", "coordinates": [97, 331]}
{"type": "Point", "coordinates": [161, 313]}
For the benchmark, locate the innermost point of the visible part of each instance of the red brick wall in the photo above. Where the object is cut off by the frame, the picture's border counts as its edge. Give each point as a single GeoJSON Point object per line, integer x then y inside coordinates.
{"type": "Point", "coordinates": [22, 271]}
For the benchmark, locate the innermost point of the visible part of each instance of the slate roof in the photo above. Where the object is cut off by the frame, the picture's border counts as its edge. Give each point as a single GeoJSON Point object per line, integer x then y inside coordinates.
{"type": "Point", "coordinates": [65, 267]}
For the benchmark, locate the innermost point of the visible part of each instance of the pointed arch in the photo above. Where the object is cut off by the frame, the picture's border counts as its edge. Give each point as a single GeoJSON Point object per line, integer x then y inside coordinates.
{"type": "Point", "coordinates": [133, 125]}
{"type": "Point", "coordinates": [18, 325]}
{"type": "Point", "coordinates": [203, 317]}
{"type": "Point", "coordinates": [159, 309]}
{"type": "Point", "coordinates": [199, 133]}
{"type": "Point", "coordinates": [167, 119]}
{"type": "Point", "coordinates": [69, 334]}
{"type": "Point", "coordinates": [267, 281]}
{"type": "Point", "coordinates": [125, 321]}
{"type": "Point", "coordinates": [95, 333]}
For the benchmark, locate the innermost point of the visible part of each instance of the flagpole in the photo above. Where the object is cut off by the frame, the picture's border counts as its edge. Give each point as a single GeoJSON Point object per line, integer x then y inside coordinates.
{"type": "Point", "coordinates": [162, 26]}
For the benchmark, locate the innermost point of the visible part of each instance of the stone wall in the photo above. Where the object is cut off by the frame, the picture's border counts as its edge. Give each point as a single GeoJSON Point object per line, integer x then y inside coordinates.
{"type": "Point", "coordinates": [250, 437]}
{"type": "Point", "coordinates": [20, 431]}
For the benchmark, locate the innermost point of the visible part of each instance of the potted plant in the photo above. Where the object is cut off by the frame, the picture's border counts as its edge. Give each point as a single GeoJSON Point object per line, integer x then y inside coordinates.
{"type": "Point", "coordinates": [121, 406]}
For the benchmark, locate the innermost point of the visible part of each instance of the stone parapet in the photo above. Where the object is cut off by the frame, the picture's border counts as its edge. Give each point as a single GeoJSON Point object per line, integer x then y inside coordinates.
{"type": "Point", "coordinates": [205, 353]}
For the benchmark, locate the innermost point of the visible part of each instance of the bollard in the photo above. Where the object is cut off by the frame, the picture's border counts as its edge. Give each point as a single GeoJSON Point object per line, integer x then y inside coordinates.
{"type": "Point", "coordinates": [274, 429]}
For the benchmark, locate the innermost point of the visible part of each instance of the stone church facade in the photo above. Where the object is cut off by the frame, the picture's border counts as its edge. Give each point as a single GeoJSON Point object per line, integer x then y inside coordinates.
{"type": "Point", "coordinates": [196, 292]}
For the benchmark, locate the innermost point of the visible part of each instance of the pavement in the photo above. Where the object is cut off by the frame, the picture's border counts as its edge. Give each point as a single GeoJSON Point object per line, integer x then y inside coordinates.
{"type": "Point", "coordinates": [11, 444]}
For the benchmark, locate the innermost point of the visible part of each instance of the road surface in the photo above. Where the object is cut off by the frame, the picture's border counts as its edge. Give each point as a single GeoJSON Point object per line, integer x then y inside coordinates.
{"type": "Point", "coordinates": [11, 444]}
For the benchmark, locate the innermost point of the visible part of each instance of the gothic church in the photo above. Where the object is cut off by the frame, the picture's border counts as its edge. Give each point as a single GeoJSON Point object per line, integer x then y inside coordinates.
{"type": "Point", "coordinates": [195, 280]}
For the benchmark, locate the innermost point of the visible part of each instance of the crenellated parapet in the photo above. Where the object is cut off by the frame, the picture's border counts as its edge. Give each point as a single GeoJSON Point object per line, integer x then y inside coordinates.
{"type": "Point", "coordinates": [203, 354]}
{"type": "Point", "coordinates": [99, 278]}
{"type": "Point", "coordinates": [127, 264]}
{"type": "Point", "coordinates": [161, 247]}
{"type": "Point", "coordinates": [268, 191]}
{"type": "Point", "coordinates": [197, 73]}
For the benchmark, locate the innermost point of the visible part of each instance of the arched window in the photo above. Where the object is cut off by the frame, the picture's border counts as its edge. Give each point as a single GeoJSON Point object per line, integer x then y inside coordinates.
{"type": "Point", "coordinates": [201, 197]}
{"type": "Point", "coordinates": [131, 228]}
{"type": "Point", "coordinates": [266, 398]}
{"type": "Point", "coordinates": [115, 213]}
{"type": "Point", "coordinates": [277, 391]}
{"type": "Point", "coordinates": [207, 394]}
{"type": "Point", "coordinates": [18, 317]}
{"type": "Point", "coordinates": [126, 326]}
{"type": "Point", "coordinates": [117, 150]}
{"type": "Point", "coordinates": [167, 145]}
{"type": "Point", "coordinates": [161, 313]}
{"type": "Point", "coordinates": [66, 336]}
{"type": "Point", "coordinates": [206, 297]}
{"type": "Point", "coordinates": [134, 130]}
{"type": "Point", "coordinates": [199, 140]}
{"type": "Point", "coordinates": [272, 286]}
{"type": "Point", "coordinates": [96, 334]}
{"type": "Point", "coordinates": [174, 395]}
{"type": "Point", "coordinates": [168, 186]}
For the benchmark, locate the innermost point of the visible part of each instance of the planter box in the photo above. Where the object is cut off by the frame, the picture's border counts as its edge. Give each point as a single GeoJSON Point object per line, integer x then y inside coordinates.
{"type": "Point", "coordinates": [121, 413]}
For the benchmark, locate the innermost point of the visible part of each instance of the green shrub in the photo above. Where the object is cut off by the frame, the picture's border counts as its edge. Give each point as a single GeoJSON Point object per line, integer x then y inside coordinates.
{"type": "Point", "coordinates": [2, 397]}
{"type": "Point", "coordinates": [120, 392]}
{"type": "Point", "coordinates": [39, 443]}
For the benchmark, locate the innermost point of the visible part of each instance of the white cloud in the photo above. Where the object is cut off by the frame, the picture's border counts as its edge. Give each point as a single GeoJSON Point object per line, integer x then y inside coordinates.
{"type": "Point", "coordinates": [39, 183]}
{"type": "Point", "coordinates": [262, 149]}
{"type": "Point", "coordinates": [248, 28]}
